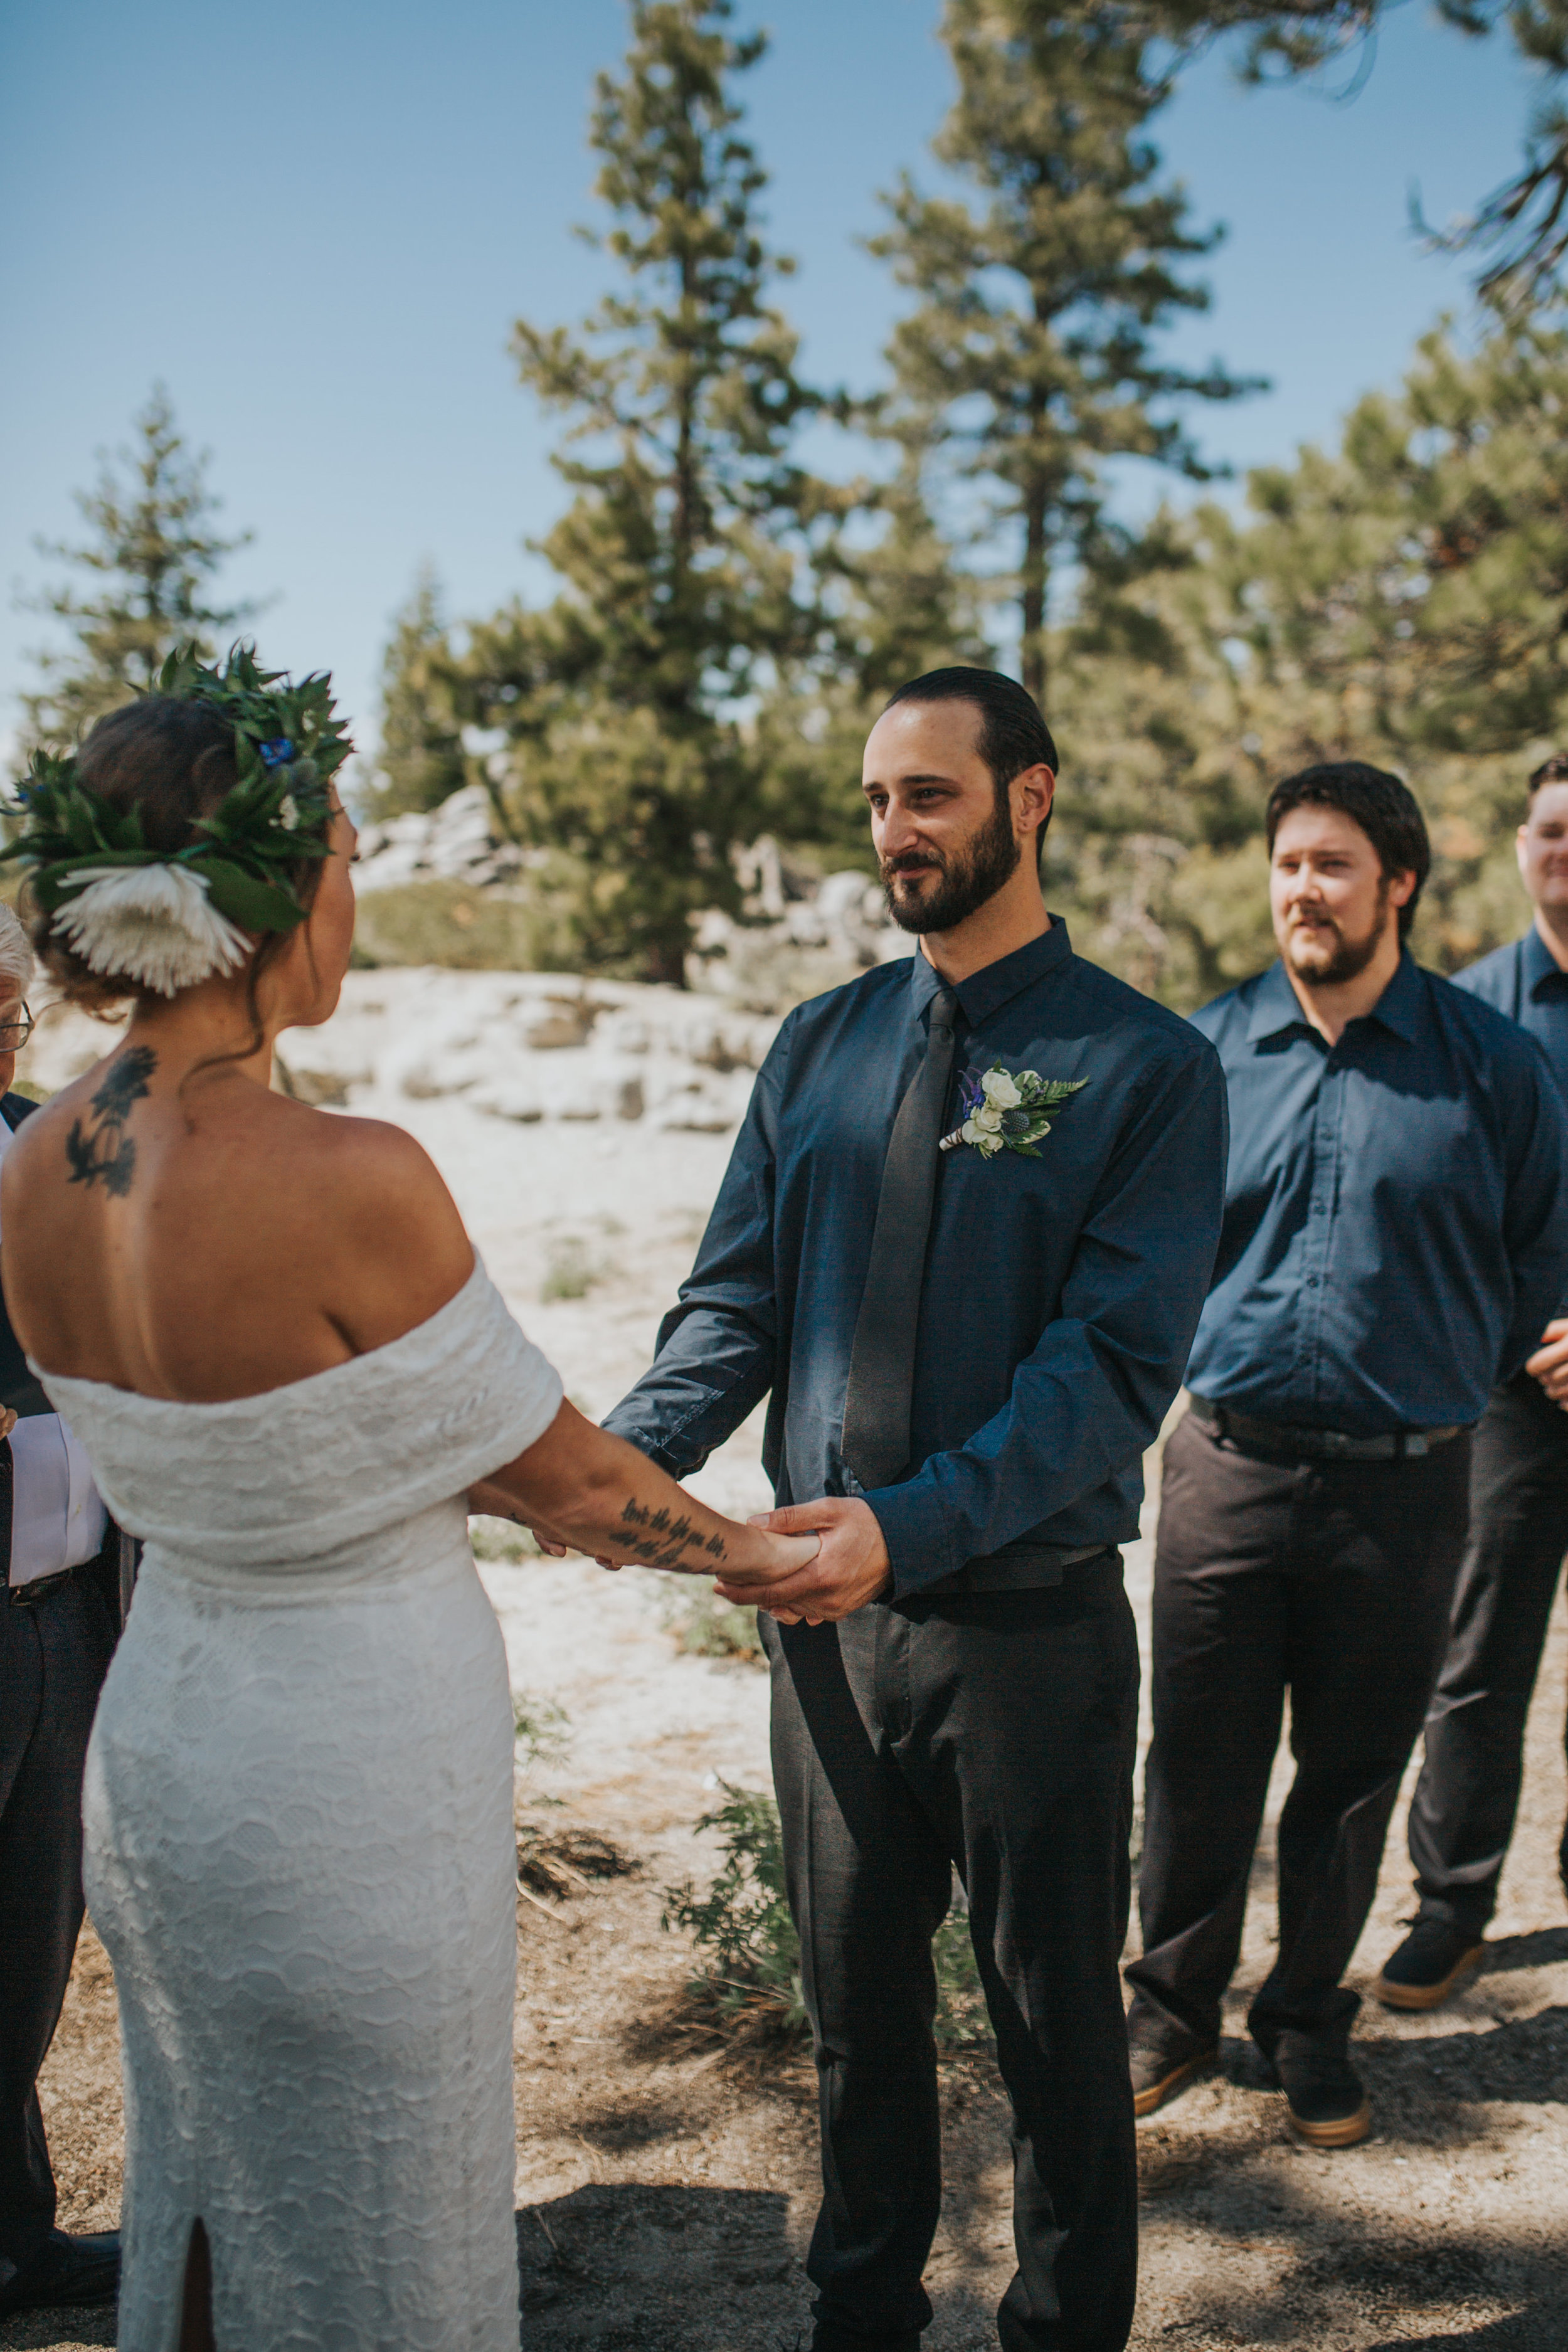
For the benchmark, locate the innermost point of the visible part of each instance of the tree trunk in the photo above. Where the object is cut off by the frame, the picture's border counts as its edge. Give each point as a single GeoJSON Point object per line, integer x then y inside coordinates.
{"type": "Point", "coordinates": [666, 962]}
{"type": "Point", "coordinates": [1031, 649]}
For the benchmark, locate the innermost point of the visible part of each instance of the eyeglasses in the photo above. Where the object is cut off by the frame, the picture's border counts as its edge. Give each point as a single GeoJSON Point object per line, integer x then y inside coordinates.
{"type": "Point", "coordinates": [13, 1035]}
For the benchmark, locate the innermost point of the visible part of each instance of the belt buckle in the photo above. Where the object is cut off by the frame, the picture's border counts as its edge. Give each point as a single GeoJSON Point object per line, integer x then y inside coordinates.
{"type": "Point", "coordinates": [27, 1596]}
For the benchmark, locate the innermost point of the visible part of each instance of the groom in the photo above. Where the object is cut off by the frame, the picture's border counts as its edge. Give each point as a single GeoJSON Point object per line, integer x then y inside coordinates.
{"type": "Point", "coordinates": [972, 1302]}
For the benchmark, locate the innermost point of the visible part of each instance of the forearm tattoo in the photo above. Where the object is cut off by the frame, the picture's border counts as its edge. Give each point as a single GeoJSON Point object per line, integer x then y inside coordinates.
{"type": "Point", "coordinates": [672, 1538]}
{"type": "Point", "coordinates": [108, 1155]}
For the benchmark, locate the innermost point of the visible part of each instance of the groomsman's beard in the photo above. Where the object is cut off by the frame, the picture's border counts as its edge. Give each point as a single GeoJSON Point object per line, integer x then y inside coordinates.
{"type": "Point", "coordinates": [1347, 959]}
{"type": "Point", "coordinates": [965, 880]}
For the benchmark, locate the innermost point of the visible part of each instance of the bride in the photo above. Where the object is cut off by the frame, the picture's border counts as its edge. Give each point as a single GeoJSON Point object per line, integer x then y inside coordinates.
{"type": "Point", "coordinates": [270, 1331]}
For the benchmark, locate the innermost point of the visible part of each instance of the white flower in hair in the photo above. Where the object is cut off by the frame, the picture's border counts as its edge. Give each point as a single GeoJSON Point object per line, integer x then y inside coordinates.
{"type": "Point", "coordinates": [151, 924]}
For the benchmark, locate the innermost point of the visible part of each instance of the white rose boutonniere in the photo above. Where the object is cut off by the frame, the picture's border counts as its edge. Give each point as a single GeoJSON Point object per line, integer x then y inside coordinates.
{"type": "Point", "coordinates": [1005, 1110]}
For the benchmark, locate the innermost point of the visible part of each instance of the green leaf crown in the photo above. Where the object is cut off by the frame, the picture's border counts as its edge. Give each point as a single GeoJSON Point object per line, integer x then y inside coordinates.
{"type": "Point", "coordinates": [288, 746]}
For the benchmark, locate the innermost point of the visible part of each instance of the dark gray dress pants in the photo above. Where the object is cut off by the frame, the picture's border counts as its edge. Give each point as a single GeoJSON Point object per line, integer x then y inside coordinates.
{"type": "Point", "coordinates": [1462, 1814]}
{"type": "Point", "coordinates": [53, 1657]}
{"type": "Point", "coordinates": [994, 1734]}
{"type": "Point", "coordinates": [1332, 1581]}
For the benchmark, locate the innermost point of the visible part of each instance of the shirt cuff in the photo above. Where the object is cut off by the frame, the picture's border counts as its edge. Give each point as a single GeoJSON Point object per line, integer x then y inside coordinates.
{"type": "Point", "coordinates": [920, 1549]}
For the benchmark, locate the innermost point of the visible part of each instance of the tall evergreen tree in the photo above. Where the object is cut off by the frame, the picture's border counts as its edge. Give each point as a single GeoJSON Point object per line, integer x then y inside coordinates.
{"type": "Point", "coordinates": [683, 551]}
{"type": "Point", "coordinates": [154, 553]}
{"type": "Point", "coordinates": [421, 763]}
{"type": "Point", "coordinates": [1033, 342]}
{"type": "Point", "coordinates": [1396, 598]}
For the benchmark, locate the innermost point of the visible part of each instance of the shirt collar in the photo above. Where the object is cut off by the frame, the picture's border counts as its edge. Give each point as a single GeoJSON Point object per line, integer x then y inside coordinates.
{"type": "Point", "coordinates": [1277, 1006]}
{"type": "Point", "coordinates": [985, 991]}
{"type": "Point", "coordinates": [1540, 966]}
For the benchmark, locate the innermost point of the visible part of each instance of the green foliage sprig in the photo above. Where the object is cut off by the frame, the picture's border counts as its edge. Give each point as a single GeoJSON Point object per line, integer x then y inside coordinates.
{"type": "Point", "coordinates": [288, 746]}
{"type": "Point", "coordinates": [750, 1952]}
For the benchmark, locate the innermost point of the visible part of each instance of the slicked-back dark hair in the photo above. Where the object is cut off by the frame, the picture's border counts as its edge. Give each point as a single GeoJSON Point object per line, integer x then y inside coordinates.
{"type": "Point", "coordinates": [1386, 811]}
{"type": "Point", "coordinates": [1013, 735]}
{"type": "Point", "coordinates": [1551, 771]}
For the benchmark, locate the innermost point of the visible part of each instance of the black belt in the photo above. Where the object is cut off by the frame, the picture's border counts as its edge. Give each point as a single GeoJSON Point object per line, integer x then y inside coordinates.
{"type": "Point", "coordinates": [1280, 1439]}
{"type": "Point", "coordinates": [26, 1596]}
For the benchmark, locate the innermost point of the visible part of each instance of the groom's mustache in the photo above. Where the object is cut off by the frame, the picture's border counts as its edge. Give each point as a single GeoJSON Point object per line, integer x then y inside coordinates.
{"type": "Point", "coordinates": [911, 861]}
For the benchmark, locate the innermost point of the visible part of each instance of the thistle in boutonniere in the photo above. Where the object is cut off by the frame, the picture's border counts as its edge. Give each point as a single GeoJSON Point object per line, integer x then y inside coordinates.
{"type": "Point", "coordinates": [1005, 1110]}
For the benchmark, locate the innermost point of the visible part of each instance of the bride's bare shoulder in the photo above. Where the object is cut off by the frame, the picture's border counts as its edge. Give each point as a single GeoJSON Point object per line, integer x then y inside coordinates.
{"type": "Point", "coordinates": [270, 1161]}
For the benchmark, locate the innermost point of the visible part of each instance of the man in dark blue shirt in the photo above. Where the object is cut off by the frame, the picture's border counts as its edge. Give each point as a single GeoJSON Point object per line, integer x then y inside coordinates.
{"type": "Point", "coordinates": [1395, 1234]}
{"type": "Point", "coordinates": [1462, 1812]}
{"type": "Point", "coordinates": [964, 1242]}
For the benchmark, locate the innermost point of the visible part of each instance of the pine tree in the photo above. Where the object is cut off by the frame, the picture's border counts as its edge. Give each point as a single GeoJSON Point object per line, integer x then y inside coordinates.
{"type": "Point", "coordinates": [420, 759]}
{"type": "Point", "coordinates": [1032, 345]}
{"type": "Point", "coordinates": [1398, 598]}
{"type": "Point", "coordinates": [895, 604]}
{"type": "Point", "coordinates": [683, 552]}
{"type": "Point", "coordinates": [153, 551]}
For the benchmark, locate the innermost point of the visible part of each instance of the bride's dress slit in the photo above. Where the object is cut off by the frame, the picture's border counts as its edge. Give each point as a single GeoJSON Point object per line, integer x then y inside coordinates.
{"type": "Point", "coordinates": [196, 2297]}
{"type": "Point", "coordinates": [300, 1853]}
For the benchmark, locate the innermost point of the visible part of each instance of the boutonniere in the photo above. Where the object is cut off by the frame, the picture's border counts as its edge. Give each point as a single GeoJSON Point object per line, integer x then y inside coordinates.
{"type": "Point", "coordinates": [1005, 1110]}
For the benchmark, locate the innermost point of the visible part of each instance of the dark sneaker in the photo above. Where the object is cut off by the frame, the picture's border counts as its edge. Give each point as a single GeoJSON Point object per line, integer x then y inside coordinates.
{"type": "Point", "coordinates": [1430, 1962]}
{"type": "Point", "coordinates": [64, 2274]}
{"type": "Point", "coordinates": [1162, 2055]}
{"type": "Point", "coordinates": [1326, 2102]}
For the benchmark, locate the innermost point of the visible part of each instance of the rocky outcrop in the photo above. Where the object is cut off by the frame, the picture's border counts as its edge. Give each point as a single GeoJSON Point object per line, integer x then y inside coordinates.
{"type": "Point", "coordinates": [526, 1046]}
{"type": "Point", "coordinates": [799, 932]}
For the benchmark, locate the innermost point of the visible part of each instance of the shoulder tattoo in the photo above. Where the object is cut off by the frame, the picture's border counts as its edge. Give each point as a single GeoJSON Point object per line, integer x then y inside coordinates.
{"type": "Point", "coordinates": [104, 1153]}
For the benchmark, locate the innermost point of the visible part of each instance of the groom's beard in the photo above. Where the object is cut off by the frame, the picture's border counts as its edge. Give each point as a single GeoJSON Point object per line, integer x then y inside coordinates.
{"type": "Point", "coordinates": [966, 879]}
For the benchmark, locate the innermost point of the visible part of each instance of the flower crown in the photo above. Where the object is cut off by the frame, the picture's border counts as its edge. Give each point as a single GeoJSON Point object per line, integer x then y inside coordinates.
{"type": "Point", "coordinates": [165, 920]}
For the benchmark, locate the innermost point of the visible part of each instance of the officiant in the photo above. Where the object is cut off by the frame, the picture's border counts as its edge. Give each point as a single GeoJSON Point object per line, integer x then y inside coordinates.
{"type": "Point", "coordinates": [963, 1239]}
{"type": "Point", "coordinates": [60, 1614]}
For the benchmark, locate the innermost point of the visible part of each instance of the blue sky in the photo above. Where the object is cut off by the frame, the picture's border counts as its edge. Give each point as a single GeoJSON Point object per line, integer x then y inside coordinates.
{"type": "Point", "coordinates": [316, 221]}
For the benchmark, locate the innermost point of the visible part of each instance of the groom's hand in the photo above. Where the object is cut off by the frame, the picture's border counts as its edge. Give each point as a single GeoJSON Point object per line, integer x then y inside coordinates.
{"type": "Point", "coordinates": [851, 1567]}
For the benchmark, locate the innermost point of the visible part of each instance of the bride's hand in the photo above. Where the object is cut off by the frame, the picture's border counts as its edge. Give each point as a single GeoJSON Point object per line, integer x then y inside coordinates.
{"type": "Point", "coordinates": [850, 1569]}
{"type": "Point", "coordinates": [7, 1423]}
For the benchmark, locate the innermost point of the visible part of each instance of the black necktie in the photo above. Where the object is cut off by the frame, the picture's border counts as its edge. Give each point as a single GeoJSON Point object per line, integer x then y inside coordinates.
{"type": "Point", "coordinates": [882, 1359]}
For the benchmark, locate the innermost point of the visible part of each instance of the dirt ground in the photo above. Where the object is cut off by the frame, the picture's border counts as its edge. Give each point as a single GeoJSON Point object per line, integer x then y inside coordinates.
{"type": "Point", "coordinates": [666, 2181]}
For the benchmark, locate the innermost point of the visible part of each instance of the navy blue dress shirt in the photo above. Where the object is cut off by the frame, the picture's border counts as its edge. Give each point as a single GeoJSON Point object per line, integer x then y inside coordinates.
{"type": "Point", "coordinates": [1395, 1221]}
{"type": "Point", "coordinates": [1525, 982]}
{"type": "Point", "coordinates": [1060, 1293]}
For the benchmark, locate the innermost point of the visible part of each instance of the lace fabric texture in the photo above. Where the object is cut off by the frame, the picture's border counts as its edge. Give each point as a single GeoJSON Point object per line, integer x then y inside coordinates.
{"type": "Point", "coordinates": [300, 1845]}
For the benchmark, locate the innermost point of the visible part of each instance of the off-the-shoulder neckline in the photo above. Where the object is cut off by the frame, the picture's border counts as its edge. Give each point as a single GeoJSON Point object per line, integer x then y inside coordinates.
{"type": "Point", "coordinates": [285, 1388]}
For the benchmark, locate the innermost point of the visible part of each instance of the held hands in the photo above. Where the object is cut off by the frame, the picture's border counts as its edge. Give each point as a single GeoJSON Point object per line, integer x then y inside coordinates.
{"type": "Point", "coordinates": [1549, 1365]}
{"type": "Point", "coordinates": [850, 1568]}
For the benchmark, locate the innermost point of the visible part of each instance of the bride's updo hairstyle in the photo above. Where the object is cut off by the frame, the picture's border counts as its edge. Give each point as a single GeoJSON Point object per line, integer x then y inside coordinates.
{"type": "Point", "coordinates": [169, 763]}
{"type": "Point", "coordinates": [185, 839]}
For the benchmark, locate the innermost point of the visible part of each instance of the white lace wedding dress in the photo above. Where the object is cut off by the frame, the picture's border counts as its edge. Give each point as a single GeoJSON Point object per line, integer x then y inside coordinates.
{"type": "Point", "coordinates": [300, 1845]}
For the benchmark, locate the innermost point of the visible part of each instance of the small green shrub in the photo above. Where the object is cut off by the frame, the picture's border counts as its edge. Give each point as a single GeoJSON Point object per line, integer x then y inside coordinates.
{"type": "Point", "coordinates": [539, 1727]}
{"type": "Point", "coordinates": [501, 1539]}
{"type": "Point", "coordinates": [702, 1625]}
{"type": "Point", "coordinates": [741, 1925]}
{"type": "Point", "coordinates": [743, 1928]}
{"type": "Point", "coordinates": [569, 1272]}
{"type": "Point", "coordinates": [464, 927]}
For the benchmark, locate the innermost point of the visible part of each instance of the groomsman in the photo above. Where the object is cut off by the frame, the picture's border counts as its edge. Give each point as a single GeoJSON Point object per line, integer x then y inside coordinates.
{"type": "Point", "coordinates": [1395, 1234]}
{"type": "Point", "coordinates": [1462, 1814]}
{"type": "Point", "coordinates": [60, 1613]}
{"type": "Point", "coordinates": [964, 1240]}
